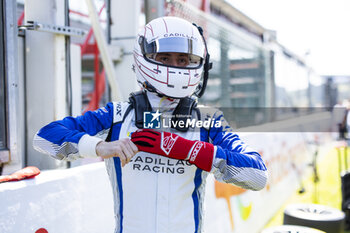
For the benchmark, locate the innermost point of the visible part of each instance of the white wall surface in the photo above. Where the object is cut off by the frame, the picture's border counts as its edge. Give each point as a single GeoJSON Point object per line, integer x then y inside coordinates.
{"type": "Point", "coordinates": [61, 201]}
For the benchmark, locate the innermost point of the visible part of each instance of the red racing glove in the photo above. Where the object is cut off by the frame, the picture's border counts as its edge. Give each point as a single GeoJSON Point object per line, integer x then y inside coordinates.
{"type": "Point", "coordinates": [173, 146]}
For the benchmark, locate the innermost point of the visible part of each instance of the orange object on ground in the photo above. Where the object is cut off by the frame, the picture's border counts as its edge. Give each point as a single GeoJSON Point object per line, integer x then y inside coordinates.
{"type": "Point", "coordinates": [25, 173]}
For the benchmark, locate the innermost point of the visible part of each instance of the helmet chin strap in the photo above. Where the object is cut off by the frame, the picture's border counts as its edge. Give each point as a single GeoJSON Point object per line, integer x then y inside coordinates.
{"type": "Point", "coordinates": [152, 89]}
{"type": "Point", "coordinates": [148, 87]}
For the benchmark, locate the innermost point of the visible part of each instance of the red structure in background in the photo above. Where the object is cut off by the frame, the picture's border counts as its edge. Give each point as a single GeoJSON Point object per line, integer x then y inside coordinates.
{"type": "Point", "coordinates": [20, 19]}
{"type": "Point", "coordinates": [89, 48]}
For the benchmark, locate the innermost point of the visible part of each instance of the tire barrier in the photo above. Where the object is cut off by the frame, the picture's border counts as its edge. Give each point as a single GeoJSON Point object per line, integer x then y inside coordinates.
{"type": "Point", "coordinates": [291, 229]}
{"type": "Point", "coordinates": [321, 217]}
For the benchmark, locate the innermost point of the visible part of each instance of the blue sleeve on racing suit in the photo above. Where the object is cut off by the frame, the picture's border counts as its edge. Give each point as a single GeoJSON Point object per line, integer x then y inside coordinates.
{"type": "Point", "coordinates": [60, 138]}
{"type": "Point", "coordinates": [235, 162]}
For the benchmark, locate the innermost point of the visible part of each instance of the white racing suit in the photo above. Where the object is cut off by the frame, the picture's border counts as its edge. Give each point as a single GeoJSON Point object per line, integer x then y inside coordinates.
{"type": "Point", "coordinates": [154, 194]}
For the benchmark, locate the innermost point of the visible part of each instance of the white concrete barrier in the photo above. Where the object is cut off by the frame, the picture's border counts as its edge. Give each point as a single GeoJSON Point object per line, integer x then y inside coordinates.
{"type": "Point", "coordinates": [60, 201]}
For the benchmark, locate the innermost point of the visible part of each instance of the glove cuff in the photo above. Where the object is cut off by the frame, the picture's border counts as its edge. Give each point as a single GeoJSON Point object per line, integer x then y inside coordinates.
{"type": "Point", "coordinates": [202, 155]}
{"type": "Point", "coordinates": [87, 146]}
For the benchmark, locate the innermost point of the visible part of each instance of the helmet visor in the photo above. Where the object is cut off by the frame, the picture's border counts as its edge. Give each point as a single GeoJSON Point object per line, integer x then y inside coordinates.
{"type": "Point", "coordinates": [194, 49]}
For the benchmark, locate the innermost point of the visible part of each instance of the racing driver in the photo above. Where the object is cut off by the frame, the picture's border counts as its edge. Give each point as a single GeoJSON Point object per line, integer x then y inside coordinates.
{"type": "Point", "coordinates": [160, 170]}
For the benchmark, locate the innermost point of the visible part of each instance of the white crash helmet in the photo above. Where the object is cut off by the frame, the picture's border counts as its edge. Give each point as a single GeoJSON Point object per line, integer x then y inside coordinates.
{"type": "Point", "coordinates": [165, 35]}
